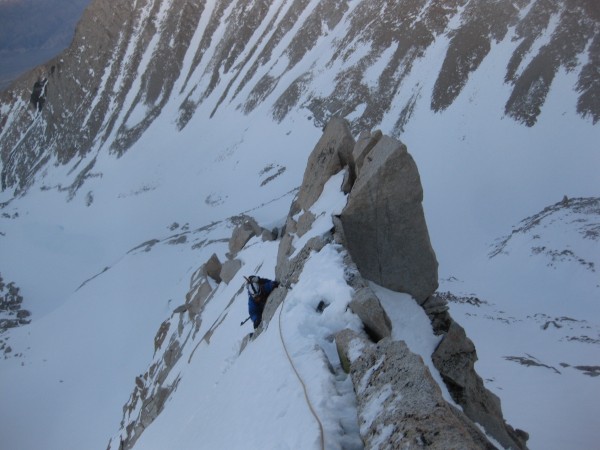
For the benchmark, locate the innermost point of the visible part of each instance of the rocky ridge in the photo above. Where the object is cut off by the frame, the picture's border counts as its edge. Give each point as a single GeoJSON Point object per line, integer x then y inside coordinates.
{"type": "Point", "coordinates": [455, 356]}
{"type": "Point", "coordinates": [583, 212]}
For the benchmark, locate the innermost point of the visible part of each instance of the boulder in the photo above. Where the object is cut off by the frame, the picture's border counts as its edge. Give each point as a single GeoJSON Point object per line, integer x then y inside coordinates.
{"type": "Point", "coordinates": [384, 224]}
{"type": "Point", "coordinates": [436, 308]}
{"type": "Point", "coordinates": [242, 234]}
{"type": "Point", "coordinates": [367, 307]}
{"type": "Point", "coordinates": [269, 236]}
{"type": "Point", "coordinates": [399, 404]}
{"type": "Point", "coordinates": [213, 268]}
{"type": "Point", "coordinates": [229, 269]}
{"type": "Point", "coordinates": [349, 345]}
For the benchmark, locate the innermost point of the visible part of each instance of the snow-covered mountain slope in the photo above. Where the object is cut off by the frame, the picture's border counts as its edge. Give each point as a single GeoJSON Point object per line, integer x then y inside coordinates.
{"type": "Point", "coordinates": [370, 61]}
{"type": "Point", "coordinates": [166, 118]}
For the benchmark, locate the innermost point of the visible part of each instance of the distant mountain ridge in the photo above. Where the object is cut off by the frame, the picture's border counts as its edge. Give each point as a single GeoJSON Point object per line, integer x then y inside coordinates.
{"type": "Point", "coordinates": [583, 212]}
{"type": "Point", "coordinates": [125, 62]}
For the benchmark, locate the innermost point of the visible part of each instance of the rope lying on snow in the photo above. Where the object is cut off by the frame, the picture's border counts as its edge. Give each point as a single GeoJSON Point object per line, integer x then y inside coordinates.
{"type": "Point", "coordinates": [308, 402]}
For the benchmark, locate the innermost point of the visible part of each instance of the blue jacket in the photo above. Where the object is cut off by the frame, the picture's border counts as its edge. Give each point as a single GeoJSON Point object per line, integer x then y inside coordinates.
{"type": "Point", "coordinates": [255, 308]}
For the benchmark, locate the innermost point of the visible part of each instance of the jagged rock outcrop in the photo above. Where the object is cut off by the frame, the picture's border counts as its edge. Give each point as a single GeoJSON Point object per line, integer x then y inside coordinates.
{"type": "Point", "coordinates": [436, 309]}
{"type": "Point", "coordinates": [384, 222]}
{"type": "Point", "coordinates": [330, 155]}
{"type": "Point", "coordinates": [195, 298]}
{"type": "Point", "coordinates": [151, 390]}
{"type": "Point", "coordinates": [411, 411]}
{"type": "Point", "coordinates": [246, 229]}
{"type": "Point", "coordinates": [12, 313]}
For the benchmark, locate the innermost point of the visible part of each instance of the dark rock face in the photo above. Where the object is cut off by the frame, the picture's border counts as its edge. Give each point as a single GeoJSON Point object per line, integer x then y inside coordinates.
{"type": "Point", "coordinates": [578, 27]}
{"type": "Point", "coordinates": [486, 22]}
{"type": "Point", "coordinates": [12, 313]}
{"type": "Point", "coordinates": [385, 225]}
{"type": "Point", "coordinates": [83, 93]}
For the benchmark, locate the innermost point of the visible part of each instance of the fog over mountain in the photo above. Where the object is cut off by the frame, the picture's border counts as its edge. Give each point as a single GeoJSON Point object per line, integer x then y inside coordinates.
{"type": "Point", "coordinates": [132, 163]}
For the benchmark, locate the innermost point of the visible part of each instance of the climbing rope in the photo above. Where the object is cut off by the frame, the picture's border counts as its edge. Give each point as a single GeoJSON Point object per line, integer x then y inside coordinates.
{"type": "Point", "coordinates": [308, 402]}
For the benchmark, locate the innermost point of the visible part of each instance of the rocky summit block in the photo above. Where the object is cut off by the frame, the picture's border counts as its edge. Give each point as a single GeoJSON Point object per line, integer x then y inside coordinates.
{"type": "Point", "coordinates": [384, 223]}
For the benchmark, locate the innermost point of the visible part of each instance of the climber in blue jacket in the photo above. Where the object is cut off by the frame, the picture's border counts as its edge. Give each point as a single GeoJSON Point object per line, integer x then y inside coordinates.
{"type": "Point", "coordinates": [258, 292]}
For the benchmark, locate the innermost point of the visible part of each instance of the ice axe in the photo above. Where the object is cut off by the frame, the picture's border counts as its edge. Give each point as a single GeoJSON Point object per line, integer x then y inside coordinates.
{"type": "Point", "coordinates": [247, 281]}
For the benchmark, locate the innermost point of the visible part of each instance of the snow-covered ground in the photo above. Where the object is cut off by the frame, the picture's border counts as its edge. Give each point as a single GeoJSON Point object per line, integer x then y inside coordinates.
{"type": "Point", "coordinates": [96, 305]}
